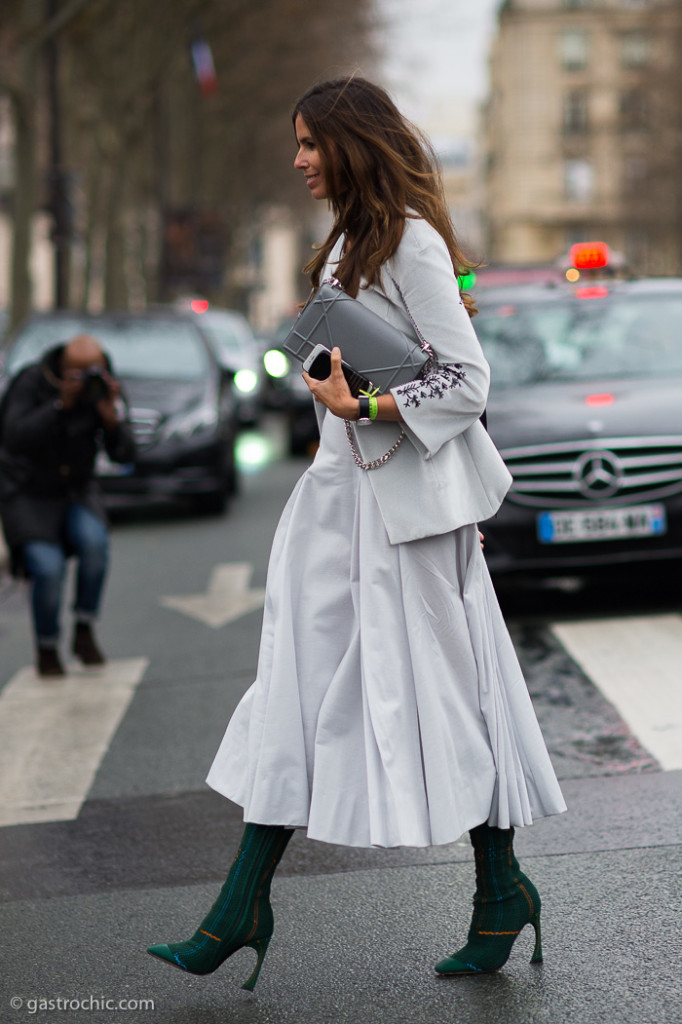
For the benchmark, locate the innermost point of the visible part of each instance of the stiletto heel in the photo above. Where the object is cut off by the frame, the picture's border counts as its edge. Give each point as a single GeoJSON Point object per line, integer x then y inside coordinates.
{"type": "Point", "coordinates": [537, 952]}
{"type": "Point", "coordinates": [504, 903]}
{"type": "Point", "coordinates": [261, 947]}
{"type": "Point", "coordinates": [242, 915]}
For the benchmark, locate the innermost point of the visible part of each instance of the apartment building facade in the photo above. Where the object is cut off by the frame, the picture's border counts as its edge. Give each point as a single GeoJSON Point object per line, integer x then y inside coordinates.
{"type": "Point", "coordinates": [582, 131]}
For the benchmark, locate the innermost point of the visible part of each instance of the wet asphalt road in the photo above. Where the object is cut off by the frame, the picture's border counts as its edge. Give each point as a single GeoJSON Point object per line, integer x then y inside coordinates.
{"type": "Point", "coordinates": [357, 930]}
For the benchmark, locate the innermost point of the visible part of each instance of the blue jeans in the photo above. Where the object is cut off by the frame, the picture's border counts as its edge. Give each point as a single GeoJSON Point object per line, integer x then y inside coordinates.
{"type": "Point", "coordinates": [45, 564]}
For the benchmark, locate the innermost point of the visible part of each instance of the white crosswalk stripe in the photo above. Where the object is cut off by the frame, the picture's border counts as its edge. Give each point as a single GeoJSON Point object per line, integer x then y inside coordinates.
{"type": "Point", "coordinates": [54, 734]}
{"type": "Point", "coordinates": [636, 662]}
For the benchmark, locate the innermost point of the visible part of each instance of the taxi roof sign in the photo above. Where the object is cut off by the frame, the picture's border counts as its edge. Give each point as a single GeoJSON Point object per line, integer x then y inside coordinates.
{"type": "Point", "coordinates": [589, 255]}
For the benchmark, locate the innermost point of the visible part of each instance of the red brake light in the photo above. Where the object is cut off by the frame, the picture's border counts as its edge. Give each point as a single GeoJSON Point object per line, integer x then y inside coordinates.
{"type": "Point", "coordinates": [589, 255]}
{"type": "Point", "coordinates": [198, 305]}
{"type": "Point", "coordinates": [596, 400]}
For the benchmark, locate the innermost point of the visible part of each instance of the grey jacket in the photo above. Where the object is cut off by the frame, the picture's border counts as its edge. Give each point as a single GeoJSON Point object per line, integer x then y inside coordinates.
{"type": "Point", "coordinates": [447, 472]}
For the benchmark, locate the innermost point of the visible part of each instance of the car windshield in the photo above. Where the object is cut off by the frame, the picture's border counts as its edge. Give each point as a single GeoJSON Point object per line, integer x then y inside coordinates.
{"type": "Point", "coordinates": [607, 335]}
{"type": "Point", "coordinates": [226, 334]}
{"type": "Point", "coordinates": [165, 350]}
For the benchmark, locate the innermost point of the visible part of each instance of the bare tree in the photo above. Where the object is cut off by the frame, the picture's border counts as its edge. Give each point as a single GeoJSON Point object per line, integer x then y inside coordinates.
{"type": "Point", "coordinates": [24, 29]}
{"type": "Point", "coordinates": [143, 137]}
{"type": "Point", "coordinates": [138, 135]}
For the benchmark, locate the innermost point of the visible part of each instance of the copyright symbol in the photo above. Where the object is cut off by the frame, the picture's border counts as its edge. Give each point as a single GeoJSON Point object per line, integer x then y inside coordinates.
{"type": "Point", "coordinates": [16, 1002]}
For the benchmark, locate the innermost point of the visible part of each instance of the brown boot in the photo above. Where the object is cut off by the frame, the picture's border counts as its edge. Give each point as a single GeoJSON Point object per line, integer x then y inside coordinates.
{"type": "Point", "coordinates": [84, 646]}
{"type": "Point", "coordinates": [48, 663]}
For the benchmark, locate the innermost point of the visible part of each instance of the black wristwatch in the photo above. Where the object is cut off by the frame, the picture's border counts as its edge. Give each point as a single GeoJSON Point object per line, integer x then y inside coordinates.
{"type": "Point", "coordinates": [363, 419]}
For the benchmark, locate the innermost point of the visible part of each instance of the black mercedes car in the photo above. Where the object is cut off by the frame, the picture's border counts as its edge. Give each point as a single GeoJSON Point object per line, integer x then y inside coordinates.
{"type": "Point", "coordinates": [586, 409]}
{"type": "Point", "coordinates": [181, 402]}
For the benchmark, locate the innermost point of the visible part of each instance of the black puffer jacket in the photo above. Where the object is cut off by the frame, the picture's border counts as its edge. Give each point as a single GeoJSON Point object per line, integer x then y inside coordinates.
{"type": "Point", "coordinates": [47, 456]}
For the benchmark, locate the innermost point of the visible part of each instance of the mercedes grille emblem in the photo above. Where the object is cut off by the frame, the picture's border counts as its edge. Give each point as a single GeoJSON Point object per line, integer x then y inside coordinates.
{"type": "Point", "coordinates": [598, 474]}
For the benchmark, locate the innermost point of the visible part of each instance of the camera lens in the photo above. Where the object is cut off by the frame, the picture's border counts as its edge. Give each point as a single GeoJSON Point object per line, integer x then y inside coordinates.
{"type": "Point", "coordinates": [95, 387]}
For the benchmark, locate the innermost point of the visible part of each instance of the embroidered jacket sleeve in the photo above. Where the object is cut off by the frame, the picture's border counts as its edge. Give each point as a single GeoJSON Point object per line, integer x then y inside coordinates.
{"type": "Point", "coordinates": [452, 395]}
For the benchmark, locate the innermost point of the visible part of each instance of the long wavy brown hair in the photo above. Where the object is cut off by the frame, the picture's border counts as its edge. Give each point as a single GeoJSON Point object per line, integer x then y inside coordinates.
{"type": "Point", "coordinates": [379, 167]}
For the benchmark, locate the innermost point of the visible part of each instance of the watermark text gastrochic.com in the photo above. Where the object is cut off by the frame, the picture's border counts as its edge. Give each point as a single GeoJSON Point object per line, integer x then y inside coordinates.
{"type": "Point", "coordinates": [41, 1004]}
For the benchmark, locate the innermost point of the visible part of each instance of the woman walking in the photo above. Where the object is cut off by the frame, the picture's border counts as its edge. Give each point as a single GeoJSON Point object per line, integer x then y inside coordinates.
{"type": "Point", "coordinates": [389, 708]}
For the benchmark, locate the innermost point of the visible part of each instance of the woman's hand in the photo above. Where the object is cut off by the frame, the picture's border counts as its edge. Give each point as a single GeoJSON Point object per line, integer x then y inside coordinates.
{"type": "Point", "coordinates": [334, 391]}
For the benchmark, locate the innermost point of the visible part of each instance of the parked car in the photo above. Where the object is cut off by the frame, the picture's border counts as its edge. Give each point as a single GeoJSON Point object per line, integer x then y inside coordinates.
{"type": "Point", "coordinates": [236, 349]}
{"type": "Point", "coordinates": [585, 407]}
{"type": "Point", "coordinates": [182, 404]}
{"type": "Point", "coordinates": [286, 391]}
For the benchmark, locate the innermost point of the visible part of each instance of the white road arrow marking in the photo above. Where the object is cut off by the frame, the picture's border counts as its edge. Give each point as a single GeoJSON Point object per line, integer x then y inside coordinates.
{"type": "Point", "coordinates": [54, 734]}
{"type": "Point", "coordinates": [228, 597]}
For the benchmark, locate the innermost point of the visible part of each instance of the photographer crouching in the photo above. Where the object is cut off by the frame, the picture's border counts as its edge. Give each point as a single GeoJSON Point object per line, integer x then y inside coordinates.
{"type": "Point", "coordinates": [55, 417]}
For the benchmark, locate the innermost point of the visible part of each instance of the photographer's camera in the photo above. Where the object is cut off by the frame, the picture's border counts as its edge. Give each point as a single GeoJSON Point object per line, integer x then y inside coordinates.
{"type": "Point", "coordinates": [95, 386]}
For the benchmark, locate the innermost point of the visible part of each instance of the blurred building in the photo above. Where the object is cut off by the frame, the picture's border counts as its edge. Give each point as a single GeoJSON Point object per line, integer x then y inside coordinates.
{"type": "Point", "coordinates": [272, 269]}
{"type": "Point", "coordinates": [583, 131]}
{"type": "Point", "coordinates": [462, 184]}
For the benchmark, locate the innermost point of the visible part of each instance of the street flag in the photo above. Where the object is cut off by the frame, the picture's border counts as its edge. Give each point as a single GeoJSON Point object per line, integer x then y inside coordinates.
{"type": "Point", "coordinates": [204, 68]}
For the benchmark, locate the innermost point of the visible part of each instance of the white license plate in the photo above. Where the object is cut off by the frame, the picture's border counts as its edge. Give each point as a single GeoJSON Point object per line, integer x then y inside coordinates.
{"type": "Point", "coordinates": [601, 524]}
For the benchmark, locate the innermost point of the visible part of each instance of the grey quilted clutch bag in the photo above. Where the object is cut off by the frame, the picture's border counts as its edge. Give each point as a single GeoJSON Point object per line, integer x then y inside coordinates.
{"type": "Point", "coordinates": [381, 355]}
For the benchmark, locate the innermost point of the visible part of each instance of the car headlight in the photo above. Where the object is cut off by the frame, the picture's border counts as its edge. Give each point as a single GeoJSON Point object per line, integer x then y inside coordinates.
{"type": "Point", "coordinates": [276, 363]}
{"type": "Point", "coordinates": [195, 421]}
{"type": "Point", "coordinates": [246, 381]}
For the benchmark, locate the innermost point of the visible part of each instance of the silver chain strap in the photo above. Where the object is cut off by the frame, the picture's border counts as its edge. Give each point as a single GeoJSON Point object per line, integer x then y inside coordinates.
{"type": "Point", "coordinates": [375, 463]}
{"type": "Point", "coordinates": [383, 459]}
{"type": "Point", "coordinates": [422, 340]}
